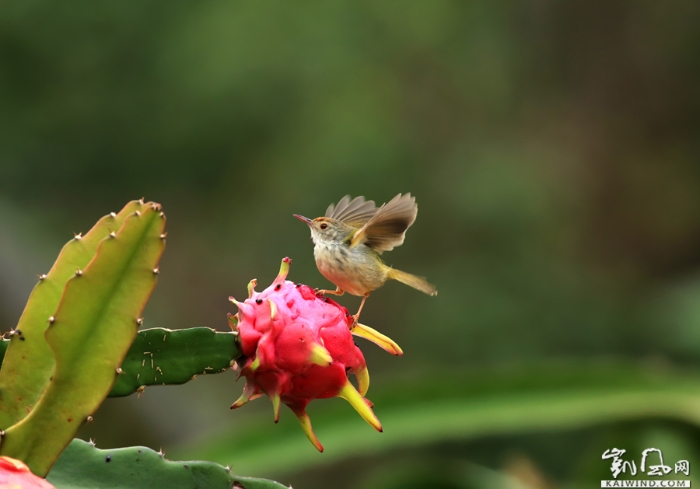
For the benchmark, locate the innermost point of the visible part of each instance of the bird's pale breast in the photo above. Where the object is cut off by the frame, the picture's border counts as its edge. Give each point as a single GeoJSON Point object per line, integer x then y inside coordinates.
{"type": "Point", "coordinates": [356, 270]}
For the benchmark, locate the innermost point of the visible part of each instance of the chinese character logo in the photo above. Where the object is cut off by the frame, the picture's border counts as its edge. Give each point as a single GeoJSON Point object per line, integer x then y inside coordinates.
{"type": "Point", "coordinates": [683, 466]}
{"type": "Point", "coordinates": [652, 464]}
{"type": "Point", "coordinates": [618, 465]}
{"type": "Point", "coordinates": [660, 469]}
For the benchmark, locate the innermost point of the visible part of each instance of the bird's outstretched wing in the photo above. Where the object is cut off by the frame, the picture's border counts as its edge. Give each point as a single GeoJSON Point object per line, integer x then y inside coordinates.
{"type": "Point", "coordinates": [356, 211]}
{"type": "Point", "coordinates": [387, 227]}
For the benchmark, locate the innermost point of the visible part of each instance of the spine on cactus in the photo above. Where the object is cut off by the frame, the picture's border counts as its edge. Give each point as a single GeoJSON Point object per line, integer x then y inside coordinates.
{"type": "Point", "coordinates": [297, 346]}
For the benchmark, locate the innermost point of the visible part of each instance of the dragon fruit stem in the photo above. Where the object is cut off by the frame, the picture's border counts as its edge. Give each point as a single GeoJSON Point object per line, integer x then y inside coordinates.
{"type": "Point", "coordinates": [284, 270]}
{"type": "Point", "coordinates": [256, 364]}
{"type": "Point", "coordinates": [320, 356]}
{"type": "Point", "coordinates": [305, 423]}
{"type": "Point", "coordinates": [362, 375]}
{"type": "Point", "coordinates": [275, 398]}
{"type": "Point", "coordinates": [250, 392]}
{"type": "Point", "coordinates": [251, 287]}
{"type": "Point", "coordinates": [273, 309]}
{"type": "Point", "coordinates": [350, 394]}
{"type": "Point", "coordinates": [233, 321]}
{"type": "Point", "coordinates": [382, 341]}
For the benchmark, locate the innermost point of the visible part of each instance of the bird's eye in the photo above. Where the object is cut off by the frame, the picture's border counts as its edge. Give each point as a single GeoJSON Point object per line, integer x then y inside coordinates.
{"type": "Point", "coordinates": [324, 225]}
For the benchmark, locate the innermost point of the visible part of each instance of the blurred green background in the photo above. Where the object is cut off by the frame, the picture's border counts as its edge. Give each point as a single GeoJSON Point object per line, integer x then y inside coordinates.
{"type": "Point", "coordinates": [553, 148]}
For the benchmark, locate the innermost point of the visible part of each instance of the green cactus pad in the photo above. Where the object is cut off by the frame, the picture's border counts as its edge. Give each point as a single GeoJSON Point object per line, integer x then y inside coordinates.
{"type": "Point", "coordinates": [160, 356]}
{"type": "Point", "coordinates": [28, 364]}
{"type": "Point", "coordinates": [177, 357]}
{"type": "Point", "coordinates": [82, 465]}
{"type": "Point", "coordinates": [90, 333]}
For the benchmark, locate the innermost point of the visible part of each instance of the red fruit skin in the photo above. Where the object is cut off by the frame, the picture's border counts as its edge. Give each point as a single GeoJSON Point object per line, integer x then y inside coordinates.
{"type": "Point", "coordinates": [317, 383]}
{"type": "Point", "coordinates": [15, 475]}
{"type": "Point", "coordinates": [292, 343]}
{"type": "Point", "coordinates": [283, 346]}
{"type": "Point", "coordinates": [298, 346]}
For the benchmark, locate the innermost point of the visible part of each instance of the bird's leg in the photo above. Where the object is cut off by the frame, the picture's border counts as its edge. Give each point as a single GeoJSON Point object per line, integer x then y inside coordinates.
{"type": "Point", "coordinates": [362, 304]}
{"type": "Point", "coordinates": [338, 291]}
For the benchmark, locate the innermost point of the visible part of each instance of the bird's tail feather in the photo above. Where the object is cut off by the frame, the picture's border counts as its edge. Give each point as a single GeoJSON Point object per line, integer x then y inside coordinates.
{"type": "Point", "coordinates": [416, 282]}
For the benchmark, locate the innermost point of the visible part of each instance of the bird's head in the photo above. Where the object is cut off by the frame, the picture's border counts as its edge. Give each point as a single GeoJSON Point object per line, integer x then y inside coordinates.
{"type": "Point", "coordinates": [326, 229]}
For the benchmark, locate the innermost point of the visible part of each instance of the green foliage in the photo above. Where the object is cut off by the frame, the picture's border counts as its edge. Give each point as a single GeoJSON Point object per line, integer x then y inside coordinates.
{"type": "Point", "coordinates": [29, 363]}
{"type": "Point", "coordinates": [432, 407]}
{"type": "Point", "coordinates": [82, 466]}
{"type": "Point", "coordinates": [160, 356]}
{"type": "Point", "coordinates": [89, 334]}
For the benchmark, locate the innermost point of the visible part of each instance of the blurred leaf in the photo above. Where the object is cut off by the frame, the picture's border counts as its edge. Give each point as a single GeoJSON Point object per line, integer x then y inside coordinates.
{"type": "Point", "coordinates": [440, 406]}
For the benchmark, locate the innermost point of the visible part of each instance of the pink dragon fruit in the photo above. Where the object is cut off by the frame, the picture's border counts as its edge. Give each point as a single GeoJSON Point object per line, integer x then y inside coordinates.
{"type": "Point", "coordinates": [14, 474]}
{"type": "Point", "coordinates": [297, 346]}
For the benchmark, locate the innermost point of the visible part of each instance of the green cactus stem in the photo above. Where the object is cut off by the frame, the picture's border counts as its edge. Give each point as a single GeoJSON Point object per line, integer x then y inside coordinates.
{"type": "Point", "coordinates": [90, 333]}
{"type": "Point", "coordinates": [29, 364]}
{"type": "Point", "coordinates": [163, 357]}
{"type": "Point", "coordinates": [160, 356]}
{"type": "Point", "coordinates": [82, 465]}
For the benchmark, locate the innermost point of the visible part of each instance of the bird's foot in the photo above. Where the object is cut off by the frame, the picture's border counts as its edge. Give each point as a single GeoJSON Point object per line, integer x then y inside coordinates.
{"type": "Point", "coordinates": [337, 291]}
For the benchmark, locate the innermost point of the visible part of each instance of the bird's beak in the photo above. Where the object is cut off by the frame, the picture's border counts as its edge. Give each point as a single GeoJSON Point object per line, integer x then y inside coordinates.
{"type": "Point", "coordinates": [304, 219]}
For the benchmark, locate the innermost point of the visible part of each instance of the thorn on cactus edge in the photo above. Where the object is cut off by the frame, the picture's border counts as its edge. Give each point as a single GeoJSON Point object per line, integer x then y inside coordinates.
{"type": "Point", "coordinates": [92, 442]}
{"type": "Point", "coordinates": [112, 234]}
{"type": "Point", "coordinates": [163, 236]}
{"type": "Point", "coordinates": [51, 319]}
{"type": "Point", "coordinates": [141, 201]}
{"type": "Point", "coordinates": [119, 371]}
{"type": "Point", "coordinates": [139, 321]}
{"type": "Point", "coordinates": [89, 419]}
{"type": "Point", "coordinates": [113, 215]}
{"type": "Point", "coordinates": [2, 433]}
{"type": "Point", "coordinates": [78, 272]}
{"type": "Point", "coordinates": [156, 271]}
{"type": "Point", "coordinates": [161, 452]}
{"type": "Point", "coordinates": [78, 236]}
{"type": "Point", "coordinates": [137, 213]}
{"type": "Point", "coordinates": [42, 276]}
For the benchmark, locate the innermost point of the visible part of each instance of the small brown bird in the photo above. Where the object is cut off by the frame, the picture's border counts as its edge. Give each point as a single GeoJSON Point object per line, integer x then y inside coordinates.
{"type": "Point", "coordinates": [350, 237]}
